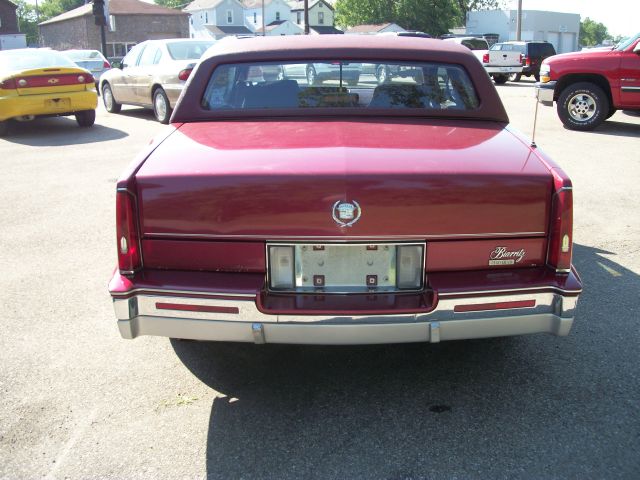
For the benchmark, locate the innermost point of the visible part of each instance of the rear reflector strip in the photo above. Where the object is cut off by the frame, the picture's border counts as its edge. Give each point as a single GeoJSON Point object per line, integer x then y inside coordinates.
{"type": "Point", "coordinates": [477, 307]}
{"type": "Point", "coordinates": [196, 308]}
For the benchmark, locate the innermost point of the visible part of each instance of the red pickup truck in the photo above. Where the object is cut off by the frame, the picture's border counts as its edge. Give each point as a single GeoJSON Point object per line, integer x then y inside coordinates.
{"type": "Point", "coordinates": [588, 87]}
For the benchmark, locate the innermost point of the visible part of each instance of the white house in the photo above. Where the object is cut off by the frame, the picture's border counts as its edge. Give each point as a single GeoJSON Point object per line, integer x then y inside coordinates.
{"type": "Point", "coordinates": [281, 27]}
{"type": "Point", "coordinates": [321, 16]}
{"type": "Point", "coordinates": [216, 19]}
{"type": "Point", "coordinates": [274, 11]}
{"type": "Point", "coordinates": [560, 29]}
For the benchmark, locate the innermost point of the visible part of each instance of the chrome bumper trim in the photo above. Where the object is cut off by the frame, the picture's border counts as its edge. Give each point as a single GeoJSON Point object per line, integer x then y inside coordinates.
{"type": "Point", "coordinates": [544, 93]}
{"type": "Point", "coordinates": [504, 70]}
{"type": "Point", "coordinates": [553, 313]}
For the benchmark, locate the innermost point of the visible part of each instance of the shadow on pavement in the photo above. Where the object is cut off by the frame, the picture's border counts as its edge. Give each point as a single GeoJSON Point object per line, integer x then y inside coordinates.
{"type": "Point", "coordinates": [538, 405]}
{"type": "Point", "coordinates": [58, 131]}
{"type": "Point", "coordinates": [617, 129]}
{"type": "Point", "coordinates": [137, 112]}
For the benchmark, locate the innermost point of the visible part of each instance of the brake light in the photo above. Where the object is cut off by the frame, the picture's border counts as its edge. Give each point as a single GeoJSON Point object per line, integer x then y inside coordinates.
{"type": "Point", "coordinates": [485, 58]}
{"type": "Point", "coordinates": [184, 74]}
{"type": "Point", "coordinates": [8, 84]}
{"type": "Point", "coordinates": [86, 78]}
{"type": "Point", "coordinates": [527, 61]}
{"type": "Point", "coordinates": [561, 230]}
{"type": "Point", "coordinates": [129, 255]}
{"type": "Point", "coordinates": [106, 64]}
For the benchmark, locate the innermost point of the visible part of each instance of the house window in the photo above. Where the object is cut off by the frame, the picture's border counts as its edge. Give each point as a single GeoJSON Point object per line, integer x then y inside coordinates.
{"type": "Point", "coordinates": [255, 17]}
{"type": "Point", "coordinates": [206, 17]}
{"type": "Point", "coordinates": [229, 16]}
{"type": "Point", "coordinates": [320, 4]}
{"type": "Point", "coordinates": [298, 17]}
{"type": "Point", "coordinates": [321, 18]}
{"type": "Point", "coordinates": [112, 23]}
{"type": "Point", "coordinates": [277, 16]}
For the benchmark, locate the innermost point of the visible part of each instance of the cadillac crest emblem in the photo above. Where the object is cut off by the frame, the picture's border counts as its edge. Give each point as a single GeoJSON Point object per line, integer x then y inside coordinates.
{"type": "Point", "coordinates": [346, 213]}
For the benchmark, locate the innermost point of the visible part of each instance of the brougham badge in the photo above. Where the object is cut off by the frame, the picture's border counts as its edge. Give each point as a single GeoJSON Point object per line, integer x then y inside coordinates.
{"type": "Point", "coordinates": [502, 256]}
{"type": "Point", "coordinates": [346, 213]}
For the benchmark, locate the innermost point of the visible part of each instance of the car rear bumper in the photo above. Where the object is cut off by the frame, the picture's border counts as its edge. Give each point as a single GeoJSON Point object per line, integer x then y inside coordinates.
{"type": "Point", "coordinates": [47, 104]}
{"type": "Point", "coordinates": [544, 93]}
{"type": "Point", "coordinates": [503, 70]}
{"type": "Point", "coordinates": [241, 317]}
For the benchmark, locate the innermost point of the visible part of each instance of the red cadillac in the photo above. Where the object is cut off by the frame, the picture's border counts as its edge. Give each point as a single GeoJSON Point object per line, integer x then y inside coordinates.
{"type": "Point", "coordinates": [289, 207]}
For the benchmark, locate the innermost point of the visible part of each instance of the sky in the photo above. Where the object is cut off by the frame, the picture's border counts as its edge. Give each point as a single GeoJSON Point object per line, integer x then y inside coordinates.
{"type": "Point", "coordinates": [621, 17]}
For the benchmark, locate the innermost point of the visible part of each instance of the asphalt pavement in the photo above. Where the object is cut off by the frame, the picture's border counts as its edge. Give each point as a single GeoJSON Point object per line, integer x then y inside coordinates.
{"type": "Point", "coordinates": [77, 401]}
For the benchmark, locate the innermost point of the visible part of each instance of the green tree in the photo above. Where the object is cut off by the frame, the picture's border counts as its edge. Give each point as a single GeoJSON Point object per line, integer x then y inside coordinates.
{"type": "Point", "coordinates": [177, 4]}
{"type": "Point", "coordinates": [52, 8]}
{"type": "Point", "coordinates": [466, 6]}
{"type": "Point", "coordinates": [432, 16]}
{"type": "Point", "coordinates": [27, 23]}
{"type": "Point", "coordinates": [592, 33]}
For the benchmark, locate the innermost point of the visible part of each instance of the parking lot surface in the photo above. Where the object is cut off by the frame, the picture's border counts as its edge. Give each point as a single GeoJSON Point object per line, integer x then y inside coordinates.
{"type": "Point", "coordinates": [80, 402]}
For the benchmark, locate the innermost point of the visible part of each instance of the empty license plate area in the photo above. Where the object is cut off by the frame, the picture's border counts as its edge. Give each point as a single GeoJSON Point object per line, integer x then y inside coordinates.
{"type": "Point", "coordinates": [346, 268]}
{"type": "Point", "coordinates": [58, 104]}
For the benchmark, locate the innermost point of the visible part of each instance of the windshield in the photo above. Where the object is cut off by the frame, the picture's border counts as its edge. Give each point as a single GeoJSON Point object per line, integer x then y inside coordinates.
{"type": "Point", "coordinates": [83, 55]}
{"type": "Point", "coordinates": [341, 84]}
{"type": "Point", "coordinates": [188, 50]}
{"type": "Point", "coordinates": [624, 44]}
{"type": "Point", "coordinates": [26, 59]}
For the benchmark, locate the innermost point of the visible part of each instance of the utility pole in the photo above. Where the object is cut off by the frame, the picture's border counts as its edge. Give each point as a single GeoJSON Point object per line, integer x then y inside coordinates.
{"type": "Point", "coordinates": [519, 21]}
{"type": "Point", "coordinates": [306, 17]}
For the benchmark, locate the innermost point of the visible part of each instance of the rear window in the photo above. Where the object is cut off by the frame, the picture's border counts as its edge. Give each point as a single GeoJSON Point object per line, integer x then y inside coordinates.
{"type": "Point", "coordinates": [187, 50]}
{"type": "Point", "coordinates": [26, 59]}
{"type": "Point", "coordinates": [508, 47]}
{"type": "Point", "coordinates": [340, 84]}
{"type": "Point", "coordinates": [83, 55]}
{"type": "Point", "coordinates": [475, 44]}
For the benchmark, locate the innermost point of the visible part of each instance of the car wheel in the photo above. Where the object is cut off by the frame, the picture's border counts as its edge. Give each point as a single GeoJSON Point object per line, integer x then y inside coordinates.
{"type": "Point", "coordinates": [500, 79]}
{"type": "Point", "coordinates": [4, 128]}
{"type": "Point", "coordinates": [86, 118]}
{"type": "Point", "coordinates": [312, 77]}
{"type": "Point", "coordinates": [110, 103]}
{"type": "Point", "coordinates": [382, 74]}
{"type": "Point", "coordinates": [161, 108]}
{"type": "Point", "coordinates": [515, 77]}
{"type": "Point", "coordinates": [582, 106]}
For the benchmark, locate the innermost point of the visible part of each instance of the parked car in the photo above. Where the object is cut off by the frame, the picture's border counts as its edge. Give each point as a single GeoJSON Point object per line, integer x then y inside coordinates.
{"type": "Point", "coordinates": [479, 46]}
{"type": "Point", "coordinates": [91, 60]}
{"type": "Point", "coordinates": [39, 82]}
{"type": "Point", "coordinates": [316, 73]}
{"type": "Point", "coordinates": [152, 75]}
{"type": "Point", "coordinates": [502, 61]}
{"type": "Point", "coordinates": [533, 53]}
{"type": "Point", "coordinates": [588, 87]}
{"type": "Point", "coordinates": [286, 212]}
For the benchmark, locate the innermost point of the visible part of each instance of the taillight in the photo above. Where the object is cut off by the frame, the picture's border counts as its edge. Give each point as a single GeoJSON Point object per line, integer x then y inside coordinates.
{"type": "Point", "coordinates": [129, 257]}
{"type": "Point", "coordinates": [184, 74]}
{"type": "Point", "coordinates": [8, 84]}
{"type": "Point", "coordinates": [106, 64]}
{"type": "Point", "coordinates": [86, 78]}
{"type": "Point", "coordinates": [527, 61]}
{"type": "Point", "coordinates": [485, 58]}
{"type": "Point", "coordinates": [561, 230]}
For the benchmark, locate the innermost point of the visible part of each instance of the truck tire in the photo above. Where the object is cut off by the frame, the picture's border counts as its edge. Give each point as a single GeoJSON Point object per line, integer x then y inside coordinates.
{"type": "Point", "coordinates": [4, 127]}
{"type": "Point", "coordinates": [582, 106]}
{"type": "Point", "coordinates": [500, 79]}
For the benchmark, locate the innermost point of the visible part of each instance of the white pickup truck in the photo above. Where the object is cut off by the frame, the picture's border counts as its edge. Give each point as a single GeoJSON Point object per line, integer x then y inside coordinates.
{"type": "Point", "coordinates": [501, 62]}
{"type": "Point", "coordinates": [498, 63]}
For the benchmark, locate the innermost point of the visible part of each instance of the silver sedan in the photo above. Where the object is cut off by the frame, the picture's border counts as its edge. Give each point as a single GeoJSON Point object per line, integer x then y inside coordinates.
{"type": "Point", "coordinates": [152, 75]}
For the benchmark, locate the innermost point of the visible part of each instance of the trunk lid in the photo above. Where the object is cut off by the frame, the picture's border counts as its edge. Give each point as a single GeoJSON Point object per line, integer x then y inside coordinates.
{"type": "Point", "coordinates": [423, 179]}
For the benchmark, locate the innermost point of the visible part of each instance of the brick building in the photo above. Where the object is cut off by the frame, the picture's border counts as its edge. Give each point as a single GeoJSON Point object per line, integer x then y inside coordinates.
{"type": "Point", "coordinates": [8, 18]}
{"type": "Point", "coordinates": [130, 22]}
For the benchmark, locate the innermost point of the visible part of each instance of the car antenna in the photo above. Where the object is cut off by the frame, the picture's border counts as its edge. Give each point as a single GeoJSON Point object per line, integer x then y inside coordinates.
{"type": "Point", "coordinates": [535, 121]}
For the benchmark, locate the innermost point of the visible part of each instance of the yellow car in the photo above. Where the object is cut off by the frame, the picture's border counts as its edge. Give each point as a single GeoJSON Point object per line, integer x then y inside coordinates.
{"type": "Point", "coordinates": [38, 82]}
